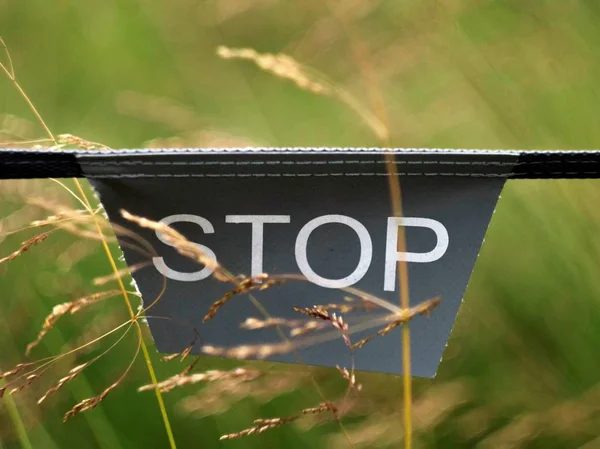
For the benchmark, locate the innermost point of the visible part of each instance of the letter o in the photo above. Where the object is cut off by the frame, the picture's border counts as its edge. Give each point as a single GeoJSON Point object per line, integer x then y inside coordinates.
{"type": "Point", "coordinates": [366, 251]}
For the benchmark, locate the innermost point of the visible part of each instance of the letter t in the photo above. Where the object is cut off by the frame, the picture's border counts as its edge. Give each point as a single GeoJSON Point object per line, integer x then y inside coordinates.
{"type": "Point", "coordinates": [258, 222]}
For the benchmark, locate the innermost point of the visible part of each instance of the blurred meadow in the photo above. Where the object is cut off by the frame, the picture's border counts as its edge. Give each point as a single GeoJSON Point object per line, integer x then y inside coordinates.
{"type": "Point", "coordinates": [522, 366]}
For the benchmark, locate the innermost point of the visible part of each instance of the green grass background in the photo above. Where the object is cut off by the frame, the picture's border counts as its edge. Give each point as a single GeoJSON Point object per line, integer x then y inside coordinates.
{"type": "Point", "coordinates": [522, 367]}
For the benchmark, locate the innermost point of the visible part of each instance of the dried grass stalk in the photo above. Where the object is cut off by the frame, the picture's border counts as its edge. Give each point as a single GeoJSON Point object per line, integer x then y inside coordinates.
{"type": "Point", "coordinates": [366, 306]}
{"type": "Point", "coordinates": [14, 222]}
{"type": "Point", "coordinates": [337, 321]}
{"type": "Point", "coordinates": [246, 285]}
{"type": "Point", "coordinates": [264, 424]}
{"type": "Point", "coordinates": [280, 65]}
{"type": "Point", "coordinates": [28, 381]}
{"type": "Point", "coordinates": [26, 245]}
{"type": "Point", "coordinates": [60, 216]}
{"type": "Point", "coordinates": [90, 403]}
{"type": "Point", "coordinates": [350, 377]}
{"type": "Point", "coordinates": [265, 350]}
{"type": "Point", "coordinates": [186, 352]}
{"type": "Point", "coordinates": [60, 210]}
{"type": "Point", "coordinates": [256, 323]}
{"type": "Point", "coordinates": [424, 308]}
{"type": "Point", "coordinates": [73, 373]}
{"type": "Point", "coordinates": [66, 218]}
{"type": "Point", "coordinates": [247, 351]}
{"type": "Point", "coordinates": [17, 369]}
{"type": "Point", "coordinates": [182, 245]}
{"type": "Point", "coordinates": [169, 357]}
{"type": "Point", "coordinates": [73, 229]}
{"type": "Point", "coordinates": [68, 307]}
{"type": "Point", "coordinates": [314, 312]}
{"type": "Point", "coordinates": [218, 397]}
{"type": "Point", "coordinates": [297, 327]}
{"type": "Point", "coordinates": [102, 280]}
{"type": "Point", "coordinates": [286, 67]}
{"type": "Point", "coordinates": [208, 376]}
{"type": "Point", "coordinates": [307, 327]}
{"type": "Point", "coordinates": [69, 139]}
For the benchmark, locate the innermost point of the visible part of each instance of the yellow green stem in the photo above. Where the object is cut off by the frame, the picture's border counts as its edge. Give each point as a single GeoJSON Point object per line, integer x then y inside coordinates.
{"type": "Point", "coordinates": [145, 352]}
{"type": "Point", "coordinates": [396, 200]}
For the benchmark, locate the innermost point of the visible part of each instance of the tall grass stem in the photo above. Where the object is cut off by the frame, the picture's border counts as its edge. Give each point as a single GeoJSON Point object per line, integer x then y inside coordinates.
{"type": "Point", "coordinates": [144, 347]}
{"type": "Point", "coordinates": [15, 417]}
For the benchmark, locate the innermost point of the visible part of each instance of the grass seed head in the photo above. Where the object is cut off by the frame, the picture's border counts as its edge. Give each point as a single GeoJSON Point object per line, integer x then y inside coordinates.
{"type": "Point", "coordinates": [73, 373]}
{"type": "Point", "coordinates": [406, 315]}
{"type": "Point", "coordinates": [245, 285]}
{"type": "Point", "coordinates": [247, 351]}
{"type": "Point", "coordinates": [350, 377]}
{"type": "Point", "coordinates": [181, 244]}
{"type": "Point", "coordinates": [69, 139]}
{"type": "Point", "coordinates": [17, 369]}
{"type": "Point", "coordinates": [90, 403]}
{"type": "Point", "coordinates": [314, 312]}
{"type": "Point", "coordinates": [64, 308]}
{"type": "Point", "coordinates": [263, 424]}
{"type": "Point", "coordinates": [307, 327]}
{"type": "Point", "coordinates": [179, 380]}
{"type": "Point", "coordinates": [280, 65]}
{"type": "Point", "coordinates": [26, 246]}
{"type": "Point", "coordinates": [28, 381]}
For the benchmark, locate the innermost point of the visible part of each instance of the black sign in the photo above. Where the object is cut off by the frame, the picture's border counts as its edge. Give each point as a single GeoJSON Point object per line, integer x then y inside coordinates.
{"type": "Point", "coordinates": [324, 216]}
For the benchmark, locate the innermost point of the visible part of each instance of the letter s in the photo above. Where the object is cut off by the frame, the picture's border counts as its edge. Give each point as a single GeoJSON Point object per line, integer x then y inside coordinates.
{"type": "Point", "coordinates": [159, 262]}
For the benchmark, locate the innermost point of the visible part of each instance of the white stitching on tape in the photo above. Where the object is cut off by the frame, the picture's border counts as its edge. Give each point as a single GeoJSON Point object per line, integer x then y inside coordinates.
{"type": "Point", "coordinates": [300, 150]}
{"type": "Point", "coordinates": [262, 175]}
{"type": "Point", "coordinates": [301, 175]}
{"type": "Point", "coordinates": [208, 163]}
